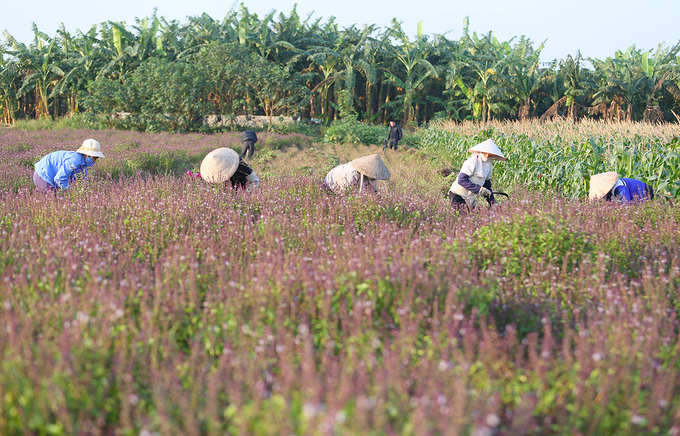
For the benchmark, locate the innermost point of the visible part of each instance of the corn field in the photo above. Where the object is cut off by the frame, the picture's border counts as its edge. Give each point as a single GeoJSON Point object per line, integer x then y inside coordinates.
{"type": "Point", "coordinates": [561, 157]}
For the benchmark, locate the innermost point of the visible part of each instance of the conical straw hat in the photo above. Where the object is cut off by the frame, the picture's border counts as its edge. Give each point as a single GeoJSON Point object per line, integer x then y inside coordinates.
{"type": "Point", "coordinates": [91, 147]}
{"type": "Point", "coordinates": [219, 165]}
{"type": "Point", "coordinates": [602, 183]}
{"type": "Point", "coordinates": [490, 147]}
{"type": "Point", "coordinates": [371, 166]}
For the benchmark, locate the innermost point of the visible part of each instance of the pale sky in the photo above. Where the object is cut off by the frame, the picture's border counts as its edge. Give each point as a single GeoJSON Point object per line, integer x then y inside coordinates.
{"type": "Point", "coordinates": [595, 27]}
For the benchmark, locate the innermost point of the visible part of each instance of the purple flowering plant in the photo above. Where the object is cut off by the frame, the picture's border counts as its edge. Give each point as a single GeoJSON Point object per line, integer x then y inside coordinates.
{"type": "Point", "coordinates": [154, 305]}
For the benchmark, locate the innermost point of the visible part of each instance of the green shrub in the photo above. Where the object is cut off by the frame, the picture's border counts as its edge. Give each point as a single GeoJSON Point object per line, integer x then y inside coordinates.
{"type": "Point", "coordinates": [355, 132]}
{"type": "Point", "coordinates": [29, 161]}
{"type": "Point", "coordinates": [282, 142]}
{"type": "Point", "coordinates": [33, 125]}
{"type": "Point", "coordinates": [19, 147]}
{"type": "Point", "coordinates": [132, 145]}
{"type": "Point", "coordinates": [163, 163]}
{"type": "Point", "coordinates": [303, 127]}
{"type": "Point", "coordinates": [77, 121]}
{"type": "Point", "coordinates": [529, 240]}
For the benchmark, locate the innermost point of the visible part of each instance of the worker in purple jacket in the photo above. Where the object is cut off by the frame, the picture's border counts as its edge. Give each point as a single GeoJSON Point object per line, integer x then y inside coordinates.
{"type": "Point", "coordinates": [56, 170]}
{"type": "Point", "coordinates": [624, 190]}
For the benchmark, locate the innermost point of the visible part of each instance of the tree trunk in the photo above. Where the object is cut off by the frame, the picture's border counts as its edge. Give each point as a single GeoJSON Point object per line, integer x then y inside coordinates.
{"type": "Point", "coordinates": [43, 108]}
{"type": "Point", "coordinates": [7, 115]}
{"type": "Point", "coordinates": [484, 111]}
{"type": "Point", "coordinates": [380, 98]}
{"type": "Point", "coordinates": [387, 99]}
{"type": "Point", "coordinates": [572, 111]}
{"type": "Point", "coordinates": [525, 110]}
{"type": "Point", "coordinates": [407, 114]}
{"type": "Point", "coordinates": [312, 105]}
{"type": "Point", "coordinates": [369, 100]}
{"type": "Point", "coordinates": [269, 112]}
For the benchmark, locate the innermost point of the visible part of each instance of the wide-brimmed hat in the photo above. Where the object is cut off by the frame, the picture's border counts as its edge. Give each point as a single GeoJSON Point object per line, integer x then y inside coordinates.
{"type": "Point", "coordinates": [219, 165]}
{"type": "Point", "coordinates": [371, 166]}
{"type": "Point", "coordinates": [602, 183]}
{"type": "Point", "coordinates": [489, 147]}
{"type": "Point", "coordinates": [91, 147]}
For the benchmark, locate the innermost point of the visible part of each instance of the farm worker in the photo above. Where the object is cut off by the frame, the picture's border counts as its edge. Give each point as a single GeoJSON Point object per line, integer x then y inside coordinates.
{"type": "Point", "coordinates": [224, 165]}
{"type": "Point", "coordinates": [394, 135]}
{"type": "Point", "coordinates": [474, 177]}
{"type": "Point", "coordinates": [55, 171]}
{"type": "Point", "coordinates": [363, 171]}
{"type": "Point", "coordinates": [624, 190]}
{"type": "Point", "coordinates": [248, 140]}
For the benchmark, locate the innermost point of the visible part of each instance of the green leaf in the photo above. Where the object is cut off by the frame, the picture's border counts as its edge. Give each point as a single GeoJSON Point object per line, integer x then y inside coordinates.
{"type": "Point", "coordinates": [646, 65]}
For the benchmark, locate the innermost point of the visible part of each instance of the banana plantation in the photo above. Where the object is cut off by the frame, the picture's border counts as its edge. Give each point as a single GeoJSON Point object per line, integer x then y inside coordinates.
{"type": "Point", "coordinates": [162, 75]}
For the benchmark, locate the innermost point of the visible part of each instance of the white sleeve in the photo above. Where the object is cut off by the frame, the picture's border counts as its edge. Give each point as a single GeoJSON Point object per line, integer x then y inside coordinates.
{"type": "Point", "coordinates": [352, 177]}
{"type": "Point", "coordinates": [253, 181]}
{"type": "Point", "coordinates": [469, 165]}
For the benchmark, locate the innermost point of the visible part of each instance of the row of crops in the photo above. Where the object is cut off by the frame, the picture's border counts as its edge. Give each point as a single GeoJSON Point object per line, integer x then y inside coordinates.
{"type": "Point", "coordinates": [564, 162]}
{"type": "Point", "coordinates": [145, 302]}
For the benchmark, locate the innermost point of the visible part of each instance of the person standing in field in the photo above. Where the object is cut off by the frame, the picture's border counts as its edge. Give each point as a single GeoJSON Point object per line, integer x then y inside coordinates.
{"type": "Point", "coordinates": [57, 170]}
{"type": "Point", "coordinates": [363, 171]}
{"type": "Point", "coordinates": [474, 178]}
{"type": "Point", "coordinates": [623, 190]}
{"type": "Point", "coordinates": [248, 140]}
{"type": "Point", "coordinates": [224, 166]}
{"type": "Point", "coordinates": [394, 135]}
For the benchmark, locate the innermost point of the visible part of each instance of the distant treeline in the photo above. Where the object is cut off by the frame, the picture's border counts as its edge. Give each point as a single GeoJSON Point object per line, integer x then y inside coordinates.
{"type": "Point", "coordinates": [165, 75]}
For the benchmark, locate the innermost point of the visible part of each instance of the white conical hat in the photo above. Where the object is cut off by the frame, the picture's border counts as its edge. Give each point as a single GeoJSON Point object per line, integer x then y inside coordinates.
{"type": "Point", "coordinates": [490, 147]}
{"type": "Point", "coordinates": [371, 166]}
{"type": "Point", "coordinates": [219, 165]}
{"type": "Point", "coordinates": [91, 147]}
{"type": "Point", "coordinates": [602, 183]}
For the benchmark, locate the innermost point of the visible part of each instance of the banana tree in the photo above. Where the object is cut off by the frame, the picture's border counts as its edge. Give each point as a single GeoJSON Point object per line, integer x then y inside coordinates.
{"type": "Point", "coordinates": [620, 84]}
{"type": "Point", "coordinates": [203, 30]}
{"type": "Point", "coordinates": [130, 49]}
{"type": "Point", "coordinates": [82, 59]}
{"type": "Point", "coordinates": [410, 69]}
{"type": "Point", "coordinates": [523, 78]}
{"type": "Point", "coordinates": [39, 63]}
{"type": "Point", "coordinates": [273, 40]}
{"type": "Point", "coordinates": [346, 58]}
{"type": "Point", "coordinates": [673, 88]}
{"type": "Point", "coordinates": [477, 67]}
{"type": "Point", "coordinates": [9, 78]}
{"type": "Point", "coordinates": [656, 68]}
{"type": "Point", "coordinates": [324, 65]}
{"type": "Point", "coordinates": [577, 82]}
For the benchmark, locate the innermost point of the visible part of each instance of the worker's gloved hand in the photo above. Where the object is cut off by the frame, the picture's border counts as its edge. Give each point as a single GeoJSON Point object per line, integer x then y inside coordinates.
{"type": "Point", "coordinates": [484, 192]}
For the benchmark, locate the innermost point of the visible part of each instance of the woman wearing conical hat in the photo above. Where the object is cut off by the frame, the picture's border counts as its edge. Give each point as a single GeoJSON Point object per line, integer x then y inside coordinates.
{"type": "Point", "coordinates": [55, 171]}
{"type": "Point", "coordinates": [224, 165]}
{"type": "Point", "coordinates": [363, 172]}
{"type": "Point", "coordinates": [610, 187]}
{"type": "Point", "coordinates": [474, 178]}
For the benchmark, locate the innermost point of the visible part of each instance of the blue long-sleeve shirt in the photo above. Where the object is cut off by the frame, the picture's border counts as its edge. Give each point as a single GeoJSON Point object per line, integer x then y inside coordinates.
{"type": "Point", "coordinates": [632, 190]}
{"type": "Point", "coordinates": [60, 168]}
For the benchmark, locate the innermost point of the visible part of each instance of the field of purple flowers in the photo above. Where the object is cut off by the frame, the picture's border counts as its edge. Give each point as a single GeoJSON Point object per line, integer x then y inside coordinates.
{"type": "Point", "coordinates": [145, 302]}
